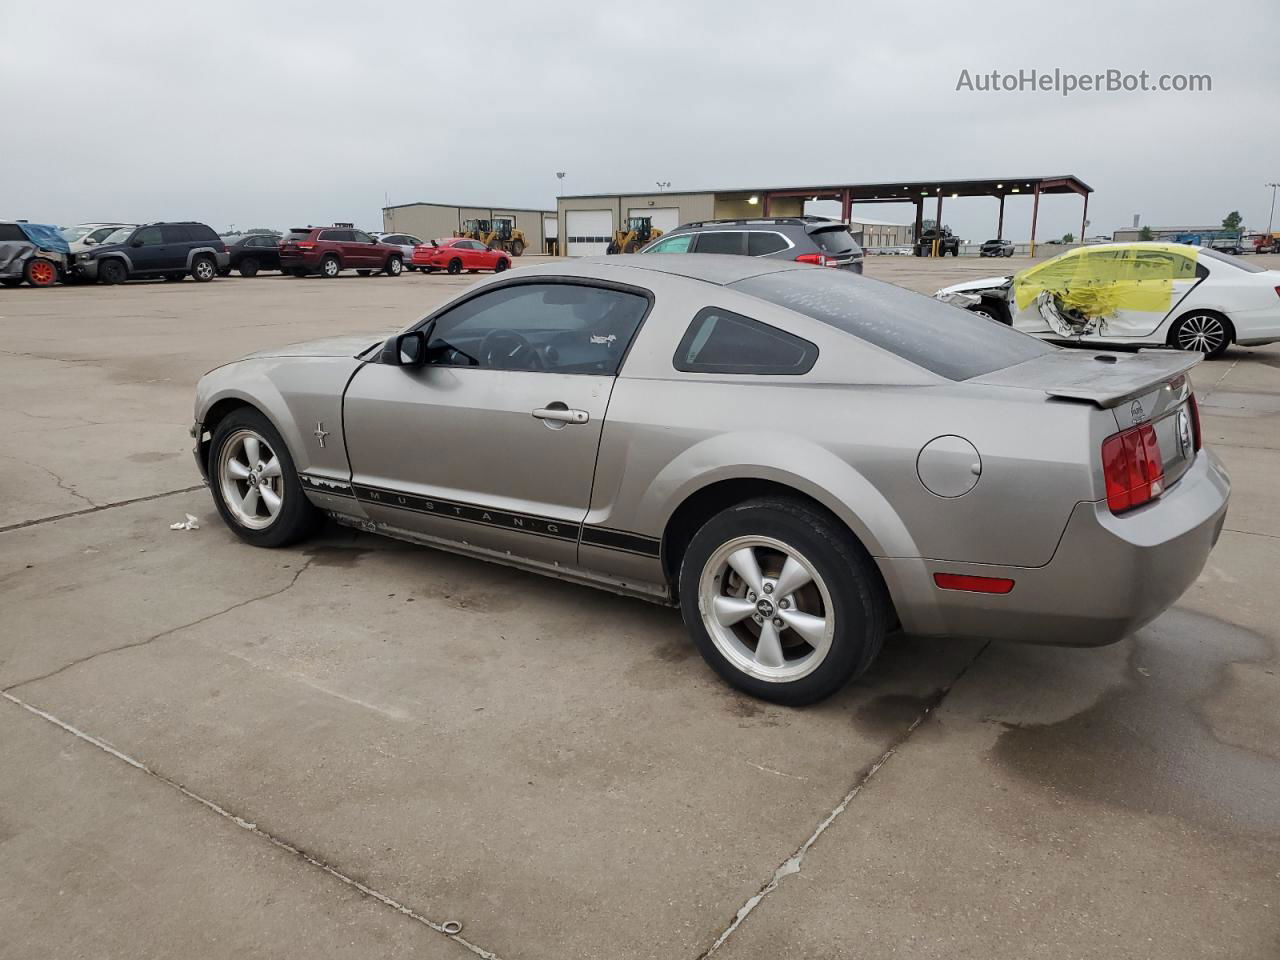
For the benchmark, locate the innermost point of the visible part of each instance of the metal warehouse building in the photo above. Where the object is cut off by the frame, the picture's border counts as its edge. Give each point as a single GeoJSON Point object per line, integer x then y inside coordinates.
{"type": "Point", "coordinates": [431, 221]}
{"type": "Point", "coordinates": [588, 222]}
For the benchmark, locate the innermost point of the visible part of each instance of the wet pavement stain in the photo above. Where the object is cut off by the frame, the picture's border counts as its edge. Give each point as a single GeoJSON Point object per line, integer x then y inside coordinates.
{"type": "Point", "coordinates": [892, 713]}
{"type": "Point", "coordinates": [1145, 746]}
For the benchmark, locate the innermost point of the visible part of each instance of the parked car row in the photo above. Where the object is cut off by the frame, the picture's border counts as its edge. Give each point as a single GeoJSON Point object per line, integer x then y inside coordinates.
{"type": "Point", "coordinates": [817, 240]}
{"type": "Point", "coordinates": [42, 255]}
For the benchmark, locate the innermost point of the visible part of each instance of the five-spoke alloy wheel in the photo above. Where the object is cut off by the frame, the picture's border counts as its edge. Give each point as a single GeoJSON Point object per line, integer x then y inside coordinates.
{"type": "Point", "coordinates": [254, 482]}
{"type": "Point", "coordinates": [781, 600]}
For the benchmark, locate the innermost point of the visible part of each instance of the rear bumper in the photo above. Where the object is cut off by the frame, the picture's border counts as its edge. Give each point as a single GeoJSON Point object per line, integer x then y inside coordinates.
{"type": "Point", "coordinates": [292, 260]}
{"type": "Point", "coordinates": [1109, 576]}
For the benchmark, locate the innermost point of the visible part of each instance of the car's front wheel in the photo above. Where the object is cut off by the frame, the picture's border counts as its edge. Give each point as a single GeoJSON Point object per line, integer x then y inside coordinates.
{"type": "Point", "coordinates": [501, 265]}
{"type": "Point", "coordinates": [112, 271]}
{"type": "Point", "coordinates": [249, 267]}
{"type": "Point", "coordinates": [455, 266]}
{"type": "Point", "coordinates": [255, 484]}
{"type": "Point", "coordinates": [394, 267]}
{"type": "Point", "coordinates": [781, 602]}
{"type": "Point", "coordinates": [1203, 331]}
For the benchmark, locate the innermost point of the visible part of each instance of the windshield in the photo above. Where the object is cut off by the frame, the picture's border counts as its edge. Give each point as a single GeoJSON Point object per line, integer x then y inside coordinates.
{"type": "Point", "coordinates": [72, 234]}
{"type": "Point", "coordinates": [119, 235]}
{"type": "Point", "coordinates": [946, 340]}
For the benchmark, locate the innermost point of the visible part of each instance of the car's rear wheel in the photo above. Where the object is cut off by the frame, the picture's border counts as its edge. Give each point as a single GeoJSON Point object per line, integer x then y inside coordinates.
{"type": "Point", "coordinates": [517, 248]}
{"type": "Point", "coordinates": [40, 272]}
{"type": "Point", "coordinates": [501, 265]}
{"type": "Point", "coordinates": [394, 267]}
{"type": "Point", "coordinates": [781, 602]}
{"type": "Point", "coordinates": [455, 266]}
{"type": "Point", "coordinates": [203, 269]}
{"type": "Point", "coordinates": [330, 267]}
{"type": "Point", "coordinates": [1203, 331]}
{"type": "Point", "coordinates": [255, 484]}
{"type": "Point", "coordinates": [112, 271]}
{"type": "Point", "coordinates": [249, 267]}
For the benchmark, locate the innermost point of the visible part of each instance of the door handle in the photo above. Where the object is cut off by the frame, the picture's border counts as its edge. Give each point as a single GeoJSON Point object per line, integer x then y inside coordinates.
{"type": "Point", "coordinates": [559, 413]}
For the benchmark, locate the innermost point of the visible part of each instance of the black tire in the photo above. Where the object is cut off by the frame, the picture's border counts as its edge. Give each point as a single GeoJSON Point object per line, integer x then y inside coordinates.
{"type": "Point", "coordinates": [330, 267]}
{"type": "Point", "coordinates": [501, 265]}
{"type": "Point", "coordinates": [631, 247]}
{"type": "Point", "coordinates": [112, 271]}
{"type": "Point", "coordinates": [175, 277]}
{"type": "Point", "coordinates": [455, 266]}
{"type": "Point", "coordinates": [394, 266]}
{"type": "Point", "coordinates": [204, 268]}
{"type": "Point", "coordinates": [249, 267]}
{"type": "Point", "coordinates": [297, 518]}
{"type": "Point", "coordinates": [611, 249]}
{"type": "Point", "coordinates": [517, 248]}
{"type": "Point", "coordinates": [1179, 334]}
{"type": "Point", "coordinates": [363, 273]}
{"type": "Point", "coordinates": [860, 604]}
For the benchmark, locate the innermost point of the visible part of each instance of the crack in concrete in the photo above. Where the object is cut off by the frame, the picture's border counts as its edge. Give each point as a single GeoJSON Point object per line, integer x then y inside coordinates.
{"type": "Point", "coordinates": [794, 862]}
{"type": "Point", "coordinates": [62, 484]}
{"type": "Point", "coordinates": [98, 507]}
{"type": "Point", "coordinates": [253, 828]}
{"type": "Point", "coordinates": [164, 633]}
{"type": "Point", "coordinates": [1252, 533]}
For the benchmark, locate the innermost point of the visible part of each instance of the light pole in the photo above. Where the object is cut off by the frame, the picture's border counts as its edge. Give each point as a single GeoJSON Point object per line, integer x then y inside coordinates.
{"type": "Point", "coordinates": [1271, 219]}
{"type": "Point", "coordinates": [663, 184]}
{"type": "Point", "coordinates": [560, 185]}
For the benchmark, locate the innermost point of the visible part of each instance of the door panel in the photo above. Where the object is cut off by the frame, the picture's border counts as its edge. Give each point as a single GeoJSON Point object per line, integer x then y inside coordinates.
{"type": "Point", "coordinates": [151, 255]}
{"type": "Point", "coordinates": [457, 453]}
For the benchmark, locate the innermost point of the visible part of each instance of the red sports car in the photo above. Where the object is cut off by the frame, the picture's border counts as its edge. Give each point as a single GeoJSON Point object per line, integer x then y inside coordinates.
{"type": "Point", "coordinates": [456, 254]}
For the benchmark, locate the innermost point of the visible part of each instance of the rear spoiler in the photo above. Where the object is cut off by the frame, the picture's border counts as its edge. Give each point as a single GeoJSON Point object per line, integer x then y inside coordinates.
{"type": "Point", "coordinates": [1103, 378]}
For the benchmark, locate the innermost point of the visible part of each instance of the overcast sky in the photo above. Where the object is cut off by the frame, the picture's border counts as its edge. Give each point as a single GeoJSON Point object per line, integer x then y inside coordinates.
{"type": "Point", "coordinates": [275, 114]}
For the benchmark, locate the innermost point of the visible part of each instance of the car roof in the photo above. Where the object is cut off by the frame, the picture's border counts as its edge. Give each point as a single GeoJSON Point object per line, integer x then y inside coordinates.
{"type": "Point", "coordinates": [720, 269]}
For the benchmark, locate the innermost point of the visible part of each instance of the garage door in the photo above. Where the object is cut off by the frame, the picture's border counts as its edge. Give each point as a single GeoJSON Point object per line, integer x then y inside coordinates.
{"type": "Point", "coordinates": [590, 232]}
{"type": "Point", "coordinates": [550, 227]}
{"type": "Point", "coordinates": [664, 218]}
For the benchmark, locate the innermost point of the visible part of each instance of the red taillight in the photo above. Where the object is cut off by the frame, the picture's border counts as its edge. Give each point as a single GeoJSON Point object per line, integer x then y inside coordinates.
{"type": "Point", "coordinates": [306, 245]}
{"type": "Point", "coordinates": [1133, 468]}
{"type": "Point", "coordinates": [961, 581]}
{"type": "Point", "coordinates": [1278, 291]}
{"type": "Point", "coordinates": [818, 259]}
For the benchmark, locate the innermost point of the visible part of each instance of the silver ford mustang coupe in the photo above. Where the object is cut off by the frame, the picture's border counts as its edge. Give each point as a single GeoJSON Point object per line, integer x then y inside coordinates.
{"type": "Point", "coordinates": [799, 458]}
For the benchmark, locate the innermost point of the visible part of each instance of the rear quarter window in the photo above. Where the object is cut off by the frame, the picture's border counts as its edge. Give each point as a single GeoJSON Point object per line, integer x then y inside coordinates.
{"type": "Point", "coordinates": [720, 341]}
{"type": "Point", "coordinates": [946, 340]}
{"type": "Point", "coordinates": [760, 244]}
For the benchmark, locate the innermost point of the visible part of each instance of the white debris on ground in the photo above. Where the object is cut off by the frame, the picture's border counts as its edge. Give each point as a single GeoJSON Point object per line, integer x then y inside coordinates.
{"type": "Point", "coordinates": [191, 523]}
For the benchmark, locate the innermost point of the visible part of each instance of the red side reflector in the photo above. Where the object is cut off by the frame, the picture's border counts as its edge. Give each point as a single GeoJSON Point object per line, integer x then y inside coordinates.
{"type": "Point", "coordinates": [960, 581]}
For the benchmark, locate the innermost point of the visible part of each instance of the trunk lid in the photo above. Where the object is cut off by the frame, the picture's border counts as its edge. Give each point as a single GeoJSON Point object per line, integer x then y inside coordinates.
{"type": "Point", "coordinates": [1147, 388]}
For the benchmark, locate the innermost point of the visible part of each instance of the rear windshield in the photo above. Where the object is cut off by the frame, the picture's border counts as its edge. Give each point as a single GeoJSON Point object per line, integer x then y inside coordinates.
{"type": "Point", "coordinates": [835, 240]}
{"type": "Point", "coordinates": [949, 341]}
{"type": "Point", "coordinates": [296, 235]}
{"type": "Point", "coordinates": [1237, 262]}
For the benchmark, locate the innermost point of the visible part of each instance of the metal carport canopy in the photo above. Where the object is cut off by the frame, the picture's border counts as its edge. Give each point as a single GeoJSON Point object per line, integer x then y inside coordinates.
{"type": "Point", "coordinates": [917, 191]}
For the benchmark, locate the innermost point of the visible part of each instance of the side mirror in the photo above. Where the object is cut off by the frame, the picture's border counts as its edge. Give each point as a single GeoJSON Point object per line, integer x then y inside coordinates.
{"type": "Point", "coordinates": [89, 241]}
{"type": "Point", "coordinates": [407, 349]}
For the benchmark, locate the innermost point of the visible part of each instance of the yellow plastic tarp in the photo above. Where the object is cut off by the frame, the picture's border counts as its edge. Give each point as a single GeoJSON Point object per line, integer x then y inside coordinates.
{"type": "Point", "coordinates": [1099, 282]}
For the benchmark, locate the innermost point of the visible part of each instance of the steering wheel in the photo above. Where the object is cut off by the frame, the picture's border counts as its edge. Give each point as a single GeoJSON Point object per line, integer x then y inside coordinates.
{"type": "Point", "coordinates": [508, 350]}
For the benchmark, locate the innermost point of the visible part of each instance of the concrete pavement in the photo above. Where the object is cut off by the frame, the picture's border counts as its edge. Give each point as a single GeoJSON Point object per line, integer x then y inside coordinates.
{"type": "Point", "coordinates": [554, 767]}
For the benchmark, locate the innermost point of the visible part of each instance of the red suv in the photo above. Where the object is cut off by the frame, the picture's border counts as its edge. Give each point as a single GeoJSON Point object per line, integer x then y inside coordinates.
{"type": "Point", "coordinates": [330, 250]}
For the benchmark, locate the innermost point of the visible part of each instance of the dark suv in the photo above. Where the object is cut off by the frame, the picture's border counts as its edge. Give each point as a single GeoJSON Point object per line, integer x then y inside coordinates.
{"type": "Point", "coordinates": [330, 250]}
{"type": "Point", "coordinates": [169, 250]}
{"type": "Point", "coordinates": [817, 240]}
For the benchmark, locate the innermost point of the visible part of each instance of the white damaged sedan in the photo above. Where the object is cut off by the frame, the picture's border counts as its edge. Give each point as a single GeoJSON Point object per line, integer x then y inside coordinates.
{"type": "Point", "coordinates": [1139, 294]}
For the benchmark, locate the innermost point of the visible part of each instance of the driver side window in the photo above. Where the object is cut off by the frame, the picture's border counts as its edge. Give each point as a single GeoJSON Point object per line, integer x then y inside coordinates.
{"type": "Point", "coordinates": [551, 327]}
